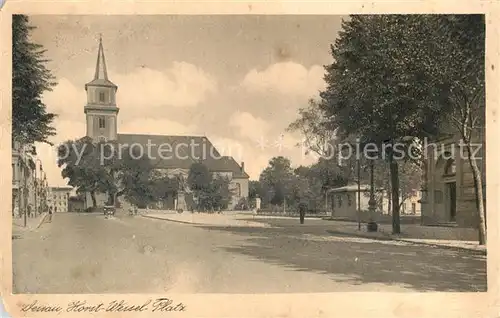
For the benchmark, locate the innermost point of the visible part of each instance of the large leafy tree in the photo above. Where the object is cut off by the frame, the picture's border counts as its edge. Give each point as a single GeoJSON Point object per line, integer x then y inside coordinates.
{"type": "Point", "coordinates": [160, 185]}
{"type": "Point", "coordinates": [276, 179]}
{"type": "Point", "coordinates": [254, 189]}
{"type": "Point", "coordinates": [218, 194]}
{"type": "Point", "coordinates": [212, 193]}
{"type": "Point", "coordinates": [132, 176]}
{"type": "Point", "coordinates": [30, 79]}
{"type": "Point", "coordinates": [199, 177]}
{"type": "Point", "coordinates": [80, 164]}
{"type": "Point", "coordinates": [400, 78]}
{"type": "Point", "coordinates": [383, 86]}
{"type": "Point", "coordinates": [105, 167]}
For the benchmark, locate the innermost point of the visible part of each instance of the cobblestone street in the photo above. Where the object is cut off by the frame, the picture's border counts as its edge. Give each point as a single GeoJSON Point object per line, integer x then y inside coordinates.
{"type": "Point", "coordinates": [84, 253]}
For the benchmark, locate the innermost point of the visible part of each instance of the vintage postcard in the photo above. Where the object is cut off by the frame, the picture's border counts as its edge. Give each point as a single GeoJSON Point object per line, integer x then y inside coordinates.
{"type": "Point", "coordinates": [249, 159]}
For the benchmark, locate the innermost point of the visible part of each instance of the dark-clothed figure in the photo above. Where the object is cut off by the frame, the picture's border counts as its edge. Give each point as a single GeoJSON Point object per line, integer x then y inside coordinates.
{"type": "Point", "coordinates": [49, 217]}
{"type": "Point", "coordinates": [302, 212]}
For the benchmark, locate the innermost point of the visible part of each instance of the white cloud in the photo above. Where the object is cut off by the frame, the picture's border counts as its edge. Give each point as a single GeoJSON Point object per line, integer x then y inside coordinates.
{"type": "Point", "coordinates": [230, 147]}
{"type": "Point", "coordinates": [287, 78]}
{"type": "Point", "coordinates": [66, 99]}
{"type": "Point", "coordinates": [142, 92]}
{"type": "Point", "coordinates": [255, 165]}
{"type": "Point", "coordinates": [67, 129]}
{"type": "Point", "coordinates": [155, 127]}
{"type": "Point", "coordinates": [249, 126]}
{"type": "Point", "coordinates": [182, 85]}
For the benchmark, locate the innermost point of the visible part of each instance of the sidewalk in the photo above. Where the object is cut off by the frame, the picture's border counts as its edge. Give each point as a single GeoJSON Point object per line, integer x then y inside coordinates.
{"type": "Point", "coordinates": [223, 220]}
{"type": "Point", "coordinates": [411, 233]}
{"type": "Point", "coordinates": [384, 233]}
{"type": "Point", "coordinates": [445, 237]}
{"type": "Point", "coordinates": [31, 223]}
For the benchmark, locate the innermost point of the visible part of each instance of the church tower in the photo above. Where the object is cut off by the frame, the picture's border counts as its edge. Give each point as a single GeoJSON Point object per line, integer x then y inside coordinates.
{"type": "Point", "coordinates": [101, 110]}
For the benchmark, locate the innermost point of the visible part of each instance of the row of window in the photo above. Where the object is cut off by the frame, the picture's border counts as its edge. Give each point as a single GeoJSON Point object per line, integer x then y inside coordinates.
{"type": "Point", "coordinates": [60, 196]}
{"type": "Point", "coordinates": [57, 203]}
{"type": "Point", "coordinates": [349, 200]}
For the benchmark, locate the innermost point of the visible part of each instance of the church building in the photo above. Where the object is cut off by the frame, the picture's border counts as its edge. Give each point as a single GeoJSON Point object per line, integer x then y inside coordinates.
{"type": "Point", "coordinates": [171, 156]}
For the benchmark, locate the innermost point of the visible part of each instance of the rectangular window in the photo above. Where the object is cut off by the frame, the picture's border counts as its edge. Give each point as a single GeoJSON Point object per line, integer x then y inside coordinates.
{"type": "Point", "coordinates": [102, 122]}
{"type": "Point", "coordinates": [102, 97]}
{"type": "Point", "coordinates": [438, 196]}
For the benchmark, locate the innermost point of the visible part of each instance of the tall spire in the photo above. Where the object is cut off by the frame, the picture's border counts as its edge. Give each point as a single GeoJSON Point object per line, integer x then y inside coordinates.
{"type": "Point", "coordinates": [100, 68]}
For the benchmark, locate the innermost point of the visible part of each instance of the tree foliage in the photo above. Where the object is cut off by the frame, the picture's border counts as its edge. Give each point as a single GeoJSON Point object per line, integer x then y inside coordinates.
{"type": "Point", "coordinates": [254, 190]}
{"type": "Point", "coordinates": [199, 177]}
{"type": "Point", "coordinates": [314, 128]}
{"type": "Point", "coordinates": [275, 179]}
{"type": "Point", "coordinates": [217, 195]}
{"type": "Point", "coordinates": [105, 167]}
{"type": "Point", "coordinates": [212, 193]}
{"type": "Point", "coordinates": [30, 79]}
{"type": "Point", "coordinates": [400, 76]}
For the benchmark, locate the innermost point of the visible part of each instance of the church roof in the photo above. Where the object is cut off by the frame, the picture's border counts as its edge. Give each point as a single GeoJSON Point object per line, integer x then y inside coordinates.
{"type": "Point", "coordinates": [101, 72]}
{"type": "Point", "coordinates": [180, 152]}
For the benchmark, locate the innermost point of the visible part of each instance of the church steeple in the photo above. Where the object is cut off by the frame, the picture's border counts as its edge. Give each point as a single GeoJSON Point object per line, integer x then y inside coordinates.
{"type": "Point", "coordinates": [101, 71]}
{"type": "Point", "coordinates": [100, 68]}
{"type": "Point", "coordinates": [101, 110]}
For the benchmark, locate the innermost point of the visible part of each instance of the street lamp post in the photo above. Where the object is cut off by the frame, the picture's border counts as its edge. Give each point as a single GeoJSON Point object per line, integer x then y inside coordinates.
{"type": "Point", "coordinates": [22, 184]}
{"type": "Point", "coordinates": [22, 197]}
{"type": "Point", "coordinates": [43, 191]}
{"type": "Point", "coordinates": [359, 192]}
{"type": "Point", "coordinates": [372, 203]}
{"type": "Point", "coordinates": [37, 186]}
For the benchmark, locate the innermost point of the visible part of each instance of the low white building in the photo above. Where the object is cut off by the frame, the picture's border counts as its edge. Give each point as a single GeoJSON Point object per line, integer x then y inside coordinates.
{"type": "Point", "coordinates": [342, 202]}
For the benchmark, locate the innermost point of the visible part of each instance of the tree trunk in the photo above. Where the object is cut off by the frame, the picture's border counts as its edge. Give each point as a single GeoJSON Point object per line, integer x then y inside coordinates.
{"type": "Point", "coordinates": [111, 196]}
{"type": "Point", "coordinates": [394, 171]}
{"type": "Point", "coordinates": [478, 189]}
{"type": "Point", "coordinates": [94, 201]}
{"type": "Point", "coordinates": [389, 203]}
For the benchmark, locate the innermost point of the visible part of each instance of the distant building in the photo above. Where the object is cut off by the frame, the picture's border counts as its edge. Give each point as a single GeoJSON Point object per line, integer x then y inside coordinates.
{"type": "Point", "coordinates": [58, 198]}
{"type": "Point", "coordinates": [411, 205]}
{"type": "Point", "coordinates": [76, 204]}
{"type": "Point", "coordinates": [23, 178]}
{"type": "Point", "coordinates": [342, 203]}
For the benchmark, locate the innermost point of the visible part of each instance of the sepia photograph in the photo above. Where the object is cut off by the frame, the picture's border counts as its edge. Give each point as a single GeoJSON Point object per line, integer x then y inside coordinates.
{"type": "Point", "coordinates": [245, 154]}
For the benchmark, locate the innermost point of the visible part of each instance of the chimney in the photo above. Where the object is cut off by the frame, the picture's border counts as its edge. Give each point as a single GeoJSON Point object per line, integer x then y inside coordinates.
{"type": "Point", "coordinates": [242, 166]}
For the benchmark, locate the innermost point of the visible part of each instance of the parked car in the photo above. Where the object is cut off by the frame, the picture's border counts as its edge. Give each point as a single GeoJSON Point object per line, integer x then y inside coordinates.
{"type": "Point", "coordinates": [109, 210]}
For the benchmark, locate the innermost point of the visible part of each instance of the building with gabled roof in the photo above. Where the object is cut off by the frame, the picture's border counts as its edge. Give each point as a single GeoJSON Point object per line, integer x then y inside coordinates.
{"type": "Point", "coordinates": [170, 155]}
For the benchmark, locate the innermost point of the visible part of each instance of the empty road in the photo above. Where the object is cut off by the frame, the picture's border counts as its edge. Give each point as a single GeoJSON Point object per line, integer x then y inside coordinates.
{"type": "Point", "coordinates": [85, 253]}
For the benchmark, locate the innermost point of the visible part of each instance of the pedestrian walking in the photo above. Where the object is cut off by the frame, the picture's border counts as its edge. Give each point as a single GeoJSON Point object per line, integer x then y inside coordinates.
{"type": "Point", "coordinates": [49, 217]}
{"type": "Point", "coordinates": [302, 211]}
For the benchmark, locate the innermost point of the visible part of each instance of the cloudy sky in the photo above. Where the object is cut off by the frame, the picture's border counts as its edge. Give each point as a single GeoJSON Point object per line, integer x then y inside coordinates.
{"type": "Point", "coordinates": [239, 80]}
